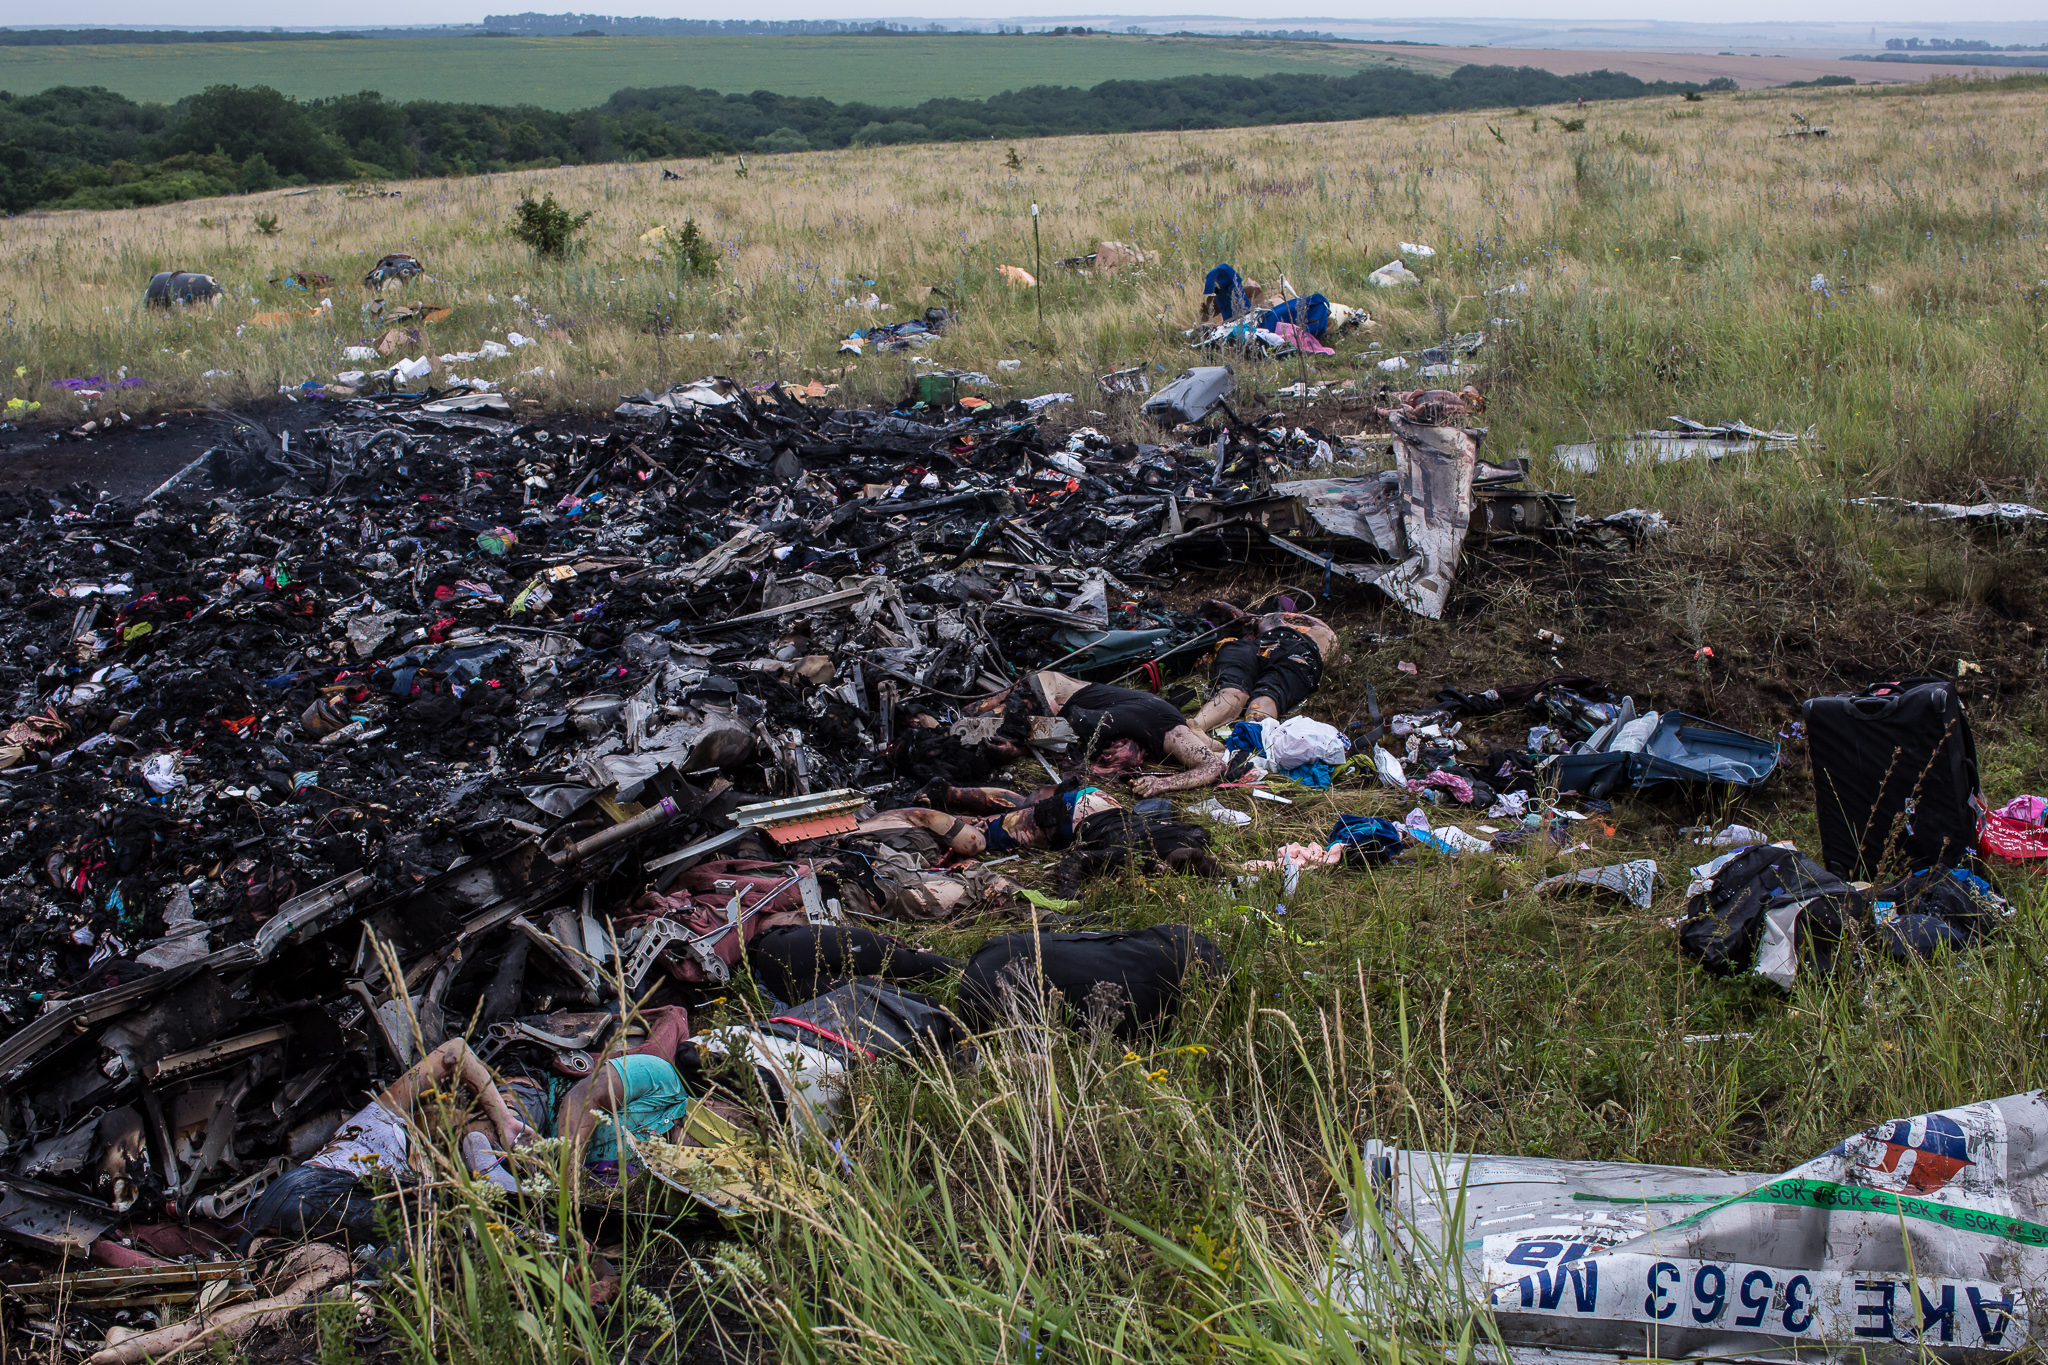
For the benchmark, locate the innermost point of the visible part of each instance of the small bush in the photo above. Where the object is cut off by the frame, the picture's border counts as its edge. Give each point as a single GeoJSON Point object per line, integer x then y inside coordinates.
{"type": "Point", "coordinates": [256, 174]}
{"type": "Point", "coordinates": [689, 251]}
{"type": "Point", "coordinates": [266, 223]}
{"type": "Point", "coordinates": [546, 226]}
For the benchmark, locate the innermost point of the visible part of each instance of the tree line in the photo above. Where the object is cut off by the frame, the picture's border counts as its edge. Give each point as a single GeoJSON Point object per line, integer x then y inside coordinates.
{"type": "Point", "coordinates": [90, 148]}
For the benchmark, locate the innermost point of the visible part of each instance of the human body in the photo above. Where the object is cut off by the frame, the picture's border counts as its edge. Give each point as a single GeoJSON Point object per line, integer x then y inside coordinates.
{"type": "Point", "coordinates": [1265, 675]}
{"type": "Point", "coordinates": [1014, 820]}
{"type": "Point", "coordinates": [327, 1194]}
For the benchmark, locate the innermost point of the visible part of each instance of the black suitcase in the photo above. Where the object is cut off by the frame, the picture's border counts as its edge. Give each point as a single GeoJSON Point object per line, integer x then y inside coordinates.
{"type": "Point", "coordinates": [1894, 778]}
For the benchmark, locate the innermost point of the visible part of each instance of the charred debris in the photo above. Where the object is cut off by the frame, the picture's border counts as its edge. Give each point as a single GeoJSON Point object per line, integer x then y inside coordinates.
{"type": "Point", "coordinates": [434, 679]}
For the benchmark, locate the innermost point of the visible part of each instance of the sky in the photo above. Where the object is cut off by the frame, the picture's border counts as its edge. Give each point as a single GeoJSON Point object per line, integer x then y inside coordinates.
{"type": "Point", "coordinates": [1262, 13]}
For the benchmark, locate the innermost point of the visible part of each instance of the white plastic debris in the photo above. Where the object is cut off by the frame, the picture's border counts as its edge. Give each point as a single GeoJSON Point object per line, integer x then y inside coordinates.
{"type": "Point", "coordinates": [359, 353]}
{"type": "Point", "coordinates": [1213, 809]}
{"type": "Point", "coordinates": [1393, 364]}
{"type": "Point", "coordinates": [1393, 274]}
{"type": "Point", "coordinates": [160, 771]}
{"type": "Point", "coordinates": [1417, 249]}
{"type": "Point", "coordinates": [1906, 1242]}
{"type": "Point", "coordinates": [1733, 836]}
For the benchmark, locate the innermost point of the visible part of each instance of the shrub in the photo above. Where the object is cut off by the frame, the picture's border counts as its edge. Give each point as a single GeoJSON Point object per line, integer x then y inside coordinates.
{"type": "Point", "coordinates": [545, 226]}
{"type": "Point", "coordinates": [256, 173]}
{"type": "Point", "coordinates": [689, 250]}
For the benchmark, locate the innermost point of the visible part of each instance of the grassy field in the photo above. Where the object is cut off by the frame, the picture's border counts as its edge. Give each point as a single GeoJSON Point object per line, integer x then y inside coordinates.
{"type": "Point", "coordinates": [1882, 287]}
{"type": "Point", "coordinates": [577, 73]}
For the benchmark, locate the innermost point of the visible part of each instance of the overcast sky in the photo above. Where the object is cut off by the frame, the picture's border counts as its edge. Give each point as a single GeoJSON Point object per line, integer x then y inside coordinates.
{"type": "Point", "coordinates": [302, 13]}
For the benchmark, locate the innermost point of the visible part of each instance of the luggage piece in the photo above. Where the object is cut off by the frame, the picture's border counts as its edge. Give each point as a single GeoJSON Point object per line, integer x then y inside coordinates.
{"type": "Point", "coordinates": [1962, 900]}
{"type": "Point", "coordinates": [1749, 888]}
{"type": "Point", "coordinates": [2014, 841]}
{"type": "Point", "coordinates": [1140, 975]}
{"type": "Point", "coordinates": [1688, 749]}
{"type": "Point", "coordinates": [1894, 778]}
{"type": "Point", "coordinates": [868, 1019]}
{"type": "Point", "coordinates": [1681, 749]}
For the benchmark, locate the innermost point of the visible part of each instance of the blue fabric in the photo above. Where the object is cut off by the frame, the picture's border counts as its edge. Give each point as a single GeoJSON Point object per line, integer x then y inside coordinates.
{"type": "Point", "coordinates": [1367, 838]}
{"type": "Point", "coordinates": [1315, 774]}
{"type": "Point", "coordinates": [655, 1101]}
{"type": "Point", "coordinates": [1246, 735]}
{"type": "Point", "coordinates": [1228, 287]}
{"type": "Point", "coordinates": [1311, 314]}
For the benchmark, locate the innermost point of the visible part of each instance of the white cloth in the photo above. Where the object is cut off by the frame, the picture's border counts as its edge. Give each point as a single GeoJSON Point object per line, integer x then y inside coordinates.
{"type": "Point", "coordinates": [373, 1139]}
{"type": "Point", "coordinates": [1631, 737]}
{"type": "Point", "coordinates": [1293, 742]}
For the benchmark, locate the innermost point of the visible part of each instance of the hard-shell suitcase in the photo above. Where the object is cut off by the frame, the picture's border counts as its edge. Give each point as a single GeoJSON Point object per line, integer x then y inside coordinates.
{"type": "Point", "coordinates": [1894, 778]}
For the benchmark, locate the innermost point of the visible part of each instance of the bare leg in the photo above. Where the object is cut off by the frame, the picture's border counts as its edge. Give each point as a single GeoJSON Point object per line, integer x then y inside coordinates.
{"type": "Point", "coordinates": [979, 800]}
{"type": "Point", "coordinates": [964, 837]}
{"type": "Point", "coordinates": [1223, 705]}
{"type": "Point", "coordinates": [1262, 708]}
{"type": "Point", "coordinates": [668, 1028]}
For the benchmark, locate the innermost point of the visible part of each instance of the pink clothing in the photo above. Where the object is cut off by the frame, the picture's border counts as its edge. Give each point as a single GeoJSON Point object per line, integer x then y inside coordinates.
{"type": "Point", "coordinates": [1301, 855]}
{"type": "Point", "coordinates": [1303, 339]}
{"type": "Point", "coordinates": [2031, 809]}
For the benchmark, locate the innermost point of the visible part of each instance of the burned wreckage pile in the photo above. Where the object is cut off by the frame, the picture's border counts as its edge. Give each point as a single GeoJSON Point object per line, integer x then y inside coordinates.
{"type": "Point", "coordinates": [434, 724]}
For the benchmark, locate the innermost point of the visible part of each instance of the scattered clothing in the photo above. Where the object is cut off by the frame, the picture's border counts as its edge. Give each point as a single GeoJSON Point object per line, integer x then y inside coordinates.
{"type": "Point", "coordinates": [1636, 881]}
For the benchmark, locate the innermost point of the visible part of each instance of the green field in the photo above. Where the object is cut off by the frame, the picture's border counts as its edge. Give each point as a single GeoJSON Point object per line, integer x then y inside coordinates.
{"type": "Point", "coordinates": [576, 73]}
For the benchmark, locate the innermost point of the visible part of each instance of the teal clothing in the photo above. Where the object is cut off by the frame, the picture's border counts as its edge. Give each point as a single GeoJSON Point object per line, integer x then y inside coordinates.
{"type": "Point", "coordinates": [655, 1101]}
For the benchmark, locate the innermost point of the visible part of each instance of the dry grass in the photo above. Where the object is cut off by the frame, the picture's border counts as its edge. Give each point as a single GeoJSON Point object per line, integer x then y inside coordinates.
{"type": "Point", "coordinates": [1935, 200]}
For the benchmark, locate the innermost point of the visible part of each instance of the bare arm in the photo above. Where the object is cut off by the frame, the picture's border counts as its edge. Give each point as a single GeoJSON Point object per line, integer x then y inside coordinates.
{"type": "Point", "coordinates": [963, 837]}
{"type": "Point", "coordinates": [1204, 758]}
{"type": "Point", "coordinates": [434, 1069]}
{"type": "Point", "coordinates": [450, 1061]}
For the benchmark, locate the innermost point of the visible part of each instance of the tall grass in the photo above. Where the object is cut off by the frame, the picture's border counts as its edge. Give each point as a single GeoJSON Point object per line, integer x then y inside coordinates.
{"type": "Point", "coordinates": [1192, 1196]}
